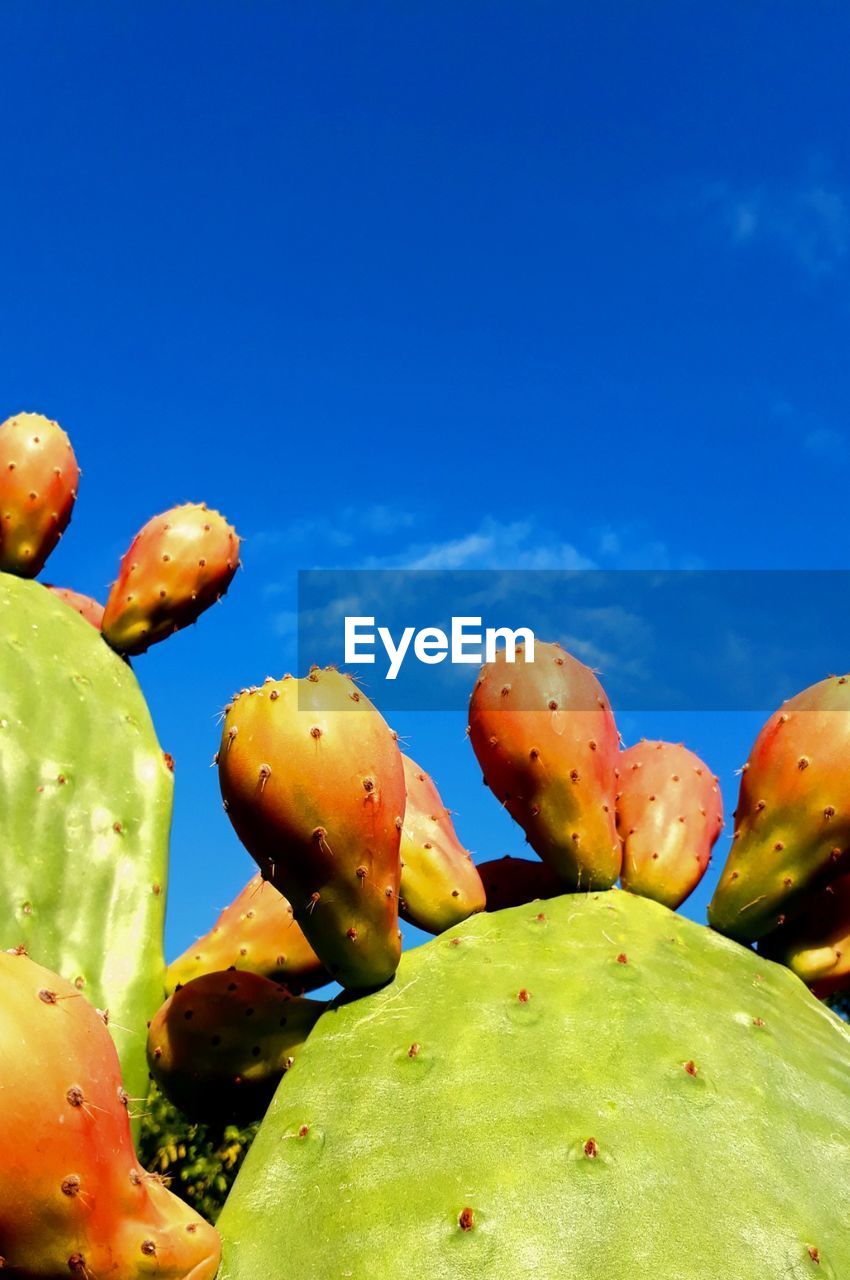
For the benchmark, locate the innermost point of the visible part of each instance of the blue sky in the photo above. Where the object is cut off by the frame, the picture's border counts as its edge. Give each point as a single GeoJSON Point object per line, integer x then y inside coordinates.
{"type": "Point", "coordinates": [467, 285]}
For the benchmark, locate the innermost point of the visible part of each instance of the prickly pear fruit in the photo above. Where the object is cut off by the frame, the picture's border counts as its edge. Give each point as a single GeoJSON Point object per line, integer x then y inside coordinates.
{"type": "Point", "coordinates": [219, 1046]}
{"type": "Point", "coordinates": [313, 781]}
{"type": "Point", "coordinates": [670, 813]}
{"type": "Point", "coordinates": [38, 487]}
{"type": "Point", "coordinates": [553, 1085]}
{"type": "Point", "coordinates": [84, 605]}
{"type": "Point", "coordinates": [73, 1199]}
{"type": "Point", "coordinates": [440, 885]}
{"type": "Point", "coordinates": [546, 740]}
{"type": "Point", "coordinates": [255, 934]}
{"type": "Point", "coordinates": [511, 882]}
{"type": "Point", "coordinates": [816, 945]}
{"type": "Point", "coordinates": [178, 564]}
{"type": "Point", "coordinates": [792, 824]}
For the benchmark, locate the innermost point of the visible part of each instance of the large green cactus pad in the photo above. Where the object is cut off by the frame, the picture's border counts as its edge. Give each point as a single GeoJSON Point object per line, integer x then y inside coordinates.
{"type": "Point", "coordinates": [85, 809]}
{"type": "Point", "coordinates": [589, 1087]}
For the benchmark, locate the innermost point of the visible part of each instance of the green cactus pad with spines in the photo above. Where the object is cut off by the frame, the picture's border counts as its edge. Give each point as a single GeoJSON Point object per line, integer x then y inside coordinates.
{"type": "Point", "coordinates": [590, 1086]}
{"type": "Point", "coordinates": [85, 810]}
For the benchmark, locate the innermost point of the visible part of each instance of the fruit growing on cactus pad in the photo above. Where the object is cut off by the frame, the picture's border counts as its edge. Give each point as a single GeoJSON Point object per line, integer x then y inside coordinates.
{"type": "Point", "coordinates": [669, 813]}
{"type": "Point", "coordinates": [219, 1046]}
{"type": "Point", "coordinates": [545, 738]}
{"type": "Point", "coordinates": [179, 564]}
{"type": "Point", "coordinates": [38, 487]}
{"type": "Point", "coordinates": [511, 882]}
{"type": "Point", "coordinates": [313, 782]}
{"type": "Point", "coordinates": [257, 933]}
{"type": "Point", "coordinates": [792, 823]}
{"type": "Point", "coordinates": [84, 605]}
{"type": "Point", "coordinates": [816, 944]}
{"type": "Point", "coordinates": [440, 885]}
{"type": "Point", "coordinates": [73, 1198]}
{"type": "Point", "coordinates": [589, 1087]}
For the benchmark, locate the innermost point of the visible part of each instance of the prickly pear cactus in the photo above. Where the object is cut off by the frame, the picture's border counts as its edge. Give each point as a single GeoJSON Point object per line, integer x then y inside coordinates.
{"type": "Point", "coordinates": [590, 1086]}
{"type": "Point", "coordinates": [85, 809]}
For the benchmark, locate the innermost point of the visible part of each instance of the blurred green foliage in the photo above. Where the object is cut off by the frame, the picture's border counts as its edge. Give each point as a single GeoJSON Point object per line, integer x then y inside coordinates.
{"type": "Point", "coordinates": [841, 1005]}
{"type": "Point", "coordinates": [199, 1162]}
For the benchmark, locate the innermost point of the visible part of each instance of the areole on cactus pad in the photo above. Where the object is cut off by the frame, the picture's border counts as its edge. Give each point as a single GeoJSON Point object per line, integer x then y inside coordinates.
{"type": "Point", "coordinates": [590, 1087]}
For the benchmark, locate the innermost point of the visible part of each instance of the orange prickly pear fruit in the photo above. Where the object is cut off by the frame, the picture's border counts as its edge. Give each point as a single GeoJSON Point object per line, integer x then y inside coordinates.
{"type": "Point", "coordinates": [512, 882]}
{"type": "Point", "coordinates": [257, 933]}
{"type": "Point", "coordinates": [670, 813]}
{"type": "Point", "coordinates": [440, 885]}
{"type": "Point", "coordinates": [545, 738]}
{"type": "Point", "coordinates": [38, 487]}
{"type": "Point", "coordinates": [313, 782]}
{"type": "Point", "coordinates": [219, 1046]}
{"type": "Point", "coordinates": [792, 824]}
{"type": "Point", "coordinates": [816, 944]}
{"type": "Point", "coordinates": [85, 606]}
{"type": "Point", "coordinates": [178, 564]}
{"type": "Point", "coordinates": [73, 1199]}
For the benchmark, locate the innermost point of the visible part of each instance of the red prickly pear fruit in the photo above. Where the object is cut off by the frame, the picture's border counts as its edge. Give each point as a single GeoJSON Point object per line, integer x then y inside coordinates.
{"type": "Point", "coordinates": [513, 882]}
{"type": "Point", "coordinates": [219, 1046]}
{"type": "Point", "coordinates": [85, 606]}
{"type": "Point", "coordinates": [670, 813]}
{"type": "Point", "coordinates": [73, 1199]}
{"type": "Point", "coordinates": [255, 934]}
{"type": "Point", "coordinates": [178, 564]}
{"type": "Point", "coordinates": [440, 885]}
{"type": "Point", "coordinates": [313, 782]}
{"type": "Point", "coordinates": [816, 945]}
{"type": "Point", "coordinates": [38, 487]}
{"type": "Point", "coordinates": [546, 740]}
{"type": "Point", "coordinates": [792, 823]}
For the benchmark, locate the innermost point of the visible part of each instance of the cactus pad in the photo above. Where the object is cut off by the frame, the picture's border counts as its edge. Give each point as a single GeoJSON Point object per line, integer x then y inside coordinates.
{"type": "Point", "coordinates": [85, 808]}
{"type": "Point", "coordinates": [590, 1086]}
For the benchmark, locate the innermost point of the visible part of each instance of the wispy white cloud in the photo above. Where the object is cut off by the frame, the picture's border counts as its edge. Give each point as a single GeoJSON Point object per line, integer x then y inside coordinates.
{"type": "Point", "coordinates": [809, 222]}
{"type": "Point", "coordinates": [493, 544]}
{"type": "Point", "coordinates": [347, 528]}
{"type": "Point", "coordinates": [816, 438]}
{"type": "Point", "coordinates": [824, 442]}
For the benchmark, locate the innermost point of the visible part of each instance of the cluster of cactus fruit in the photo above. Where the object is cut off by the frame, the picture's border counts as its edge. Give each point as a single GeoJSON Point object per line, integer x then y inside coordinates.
{"type": "Point", "coordinates": [570, 1079]}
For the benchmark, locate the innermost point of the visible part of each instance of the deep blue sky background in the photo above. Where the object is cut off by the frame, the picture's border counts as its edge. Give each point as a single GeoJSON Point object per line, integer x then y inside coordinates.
{"type": "Point", "coordinates": [454, 285]}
